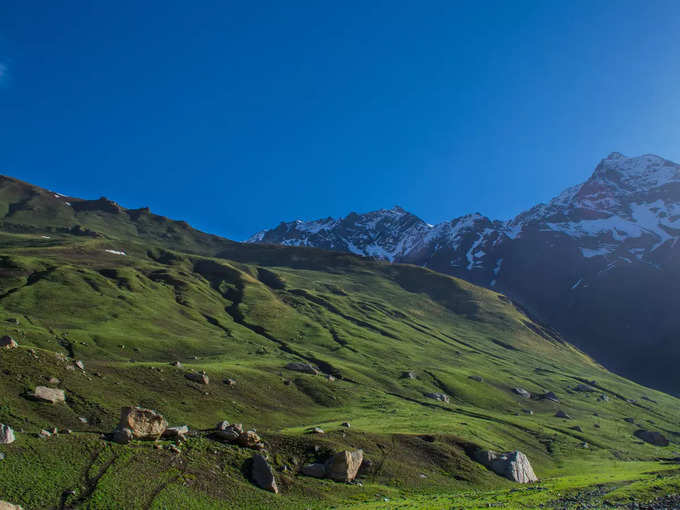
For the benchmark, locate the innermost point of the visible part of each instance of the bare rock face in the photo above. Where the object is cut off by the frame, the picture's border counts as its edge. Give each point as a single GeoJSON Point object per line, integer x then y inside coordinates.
{"type": "Point", "coordinates": [6, 434]}
{"type": "Point", "coordinates": [302, 367]}
{"type": "Point", "coordinates": [514, 466]}
{"type": "Point", "coordinates": [7, 342]}
{"type": "Point", "coordinates": [263, 474]}
{"type": "Point", "coordinates": [143, 423]}
{"type": "Point", "coordinates": [46, 394]}
{"type": "Point", "coordinates": [652, 437]}
{"type": "Point", "coordinates": [344, 466]}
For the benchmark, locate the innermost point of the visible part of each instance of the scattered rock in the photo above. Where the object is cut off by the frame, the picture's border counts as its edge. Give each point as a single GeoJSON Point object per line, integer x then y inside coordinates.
{"type": "Point", "coordinates": [652, 437]}
{"type": "Point", "coordinates": [54, 381]}
{"type": "Point", "coordinates": [438, 396]}
{"type": "Point", "coordinates": [176, 364]}
{"type": "Point", "coordinates": [302, 367]}
{"type": "Point", "coordinates": [51, 395]}
{"type": "Point", "coordinates": [263, 474]}
{"type": "Point", "coordinates": [143, 423]}
{"type": "Point", "coordinates": [345, 424]}
{"type": "Point", "coordinates": [344, 466]}
{"type": "Point", "coordinates": [514, 466]}
{"type": "Point", "coordinates": [7, 342]}
{"type": "Point", "coordinates": [122, 435]}
{"type": "Point", "coordinates": [80, 365]}
{"type": "Point", "coordinates": [317, 430]}
{"type": "Point", "coordinates": [230, 382]}
{"type": "Point", "coordinates": [603, 398]}
{"type": "Point", "coordinates": [230, 433]}
{"type": "Point", "coordinates": [577, 428]}
{"type": "Point", "coordinates": [250, 439]}
{"type": "Point", "coordinates": [629, 420]}
{"type": "Point", "coordinates": [6, 434]}
{"type": "Point", "coordinates": [476, 378]}
{"type": "Point", "coordinates": [408, 375]}
{"type": "Point", "coordinates": [315, 470]}
{"type": "Point", "coordinates": [583, 388]}
{"type": "Point", "coordinates": [550, 396]}
{"type": "Point", "coordinates": [562, 414]}
{"type": "Point", "coordinates": [522, 392]}
{"type": "Point", "coordinates": [199, 377]}
{"type": "Point", "coordinates": [176, 432]}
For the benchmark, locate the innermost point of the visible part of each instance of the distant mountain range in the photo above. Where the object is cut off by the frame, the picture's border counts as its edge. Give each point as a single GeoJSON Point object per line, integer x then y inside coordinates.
{"type": "Point", "coordinates": [600, 262]}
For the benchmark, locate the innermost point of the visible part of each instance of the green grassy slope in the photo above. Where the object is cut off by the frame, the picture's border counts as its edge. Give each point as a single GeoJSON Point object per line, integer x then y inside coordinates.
{"type": "Point", "coordinates": [243, 312]}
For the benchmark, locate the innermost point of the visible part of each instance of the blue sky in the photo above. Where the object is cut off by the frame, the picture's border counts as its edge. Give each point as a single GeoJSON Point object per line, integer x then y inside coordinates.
{"type": "Point", "coordinates": [235, 116]}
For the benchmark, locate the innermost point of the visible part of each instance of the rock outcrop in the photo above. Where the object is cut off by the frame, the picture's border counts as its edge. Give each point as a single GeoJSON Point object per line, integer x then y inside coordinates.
{"type": "Point", "coordinates": [514, 466]}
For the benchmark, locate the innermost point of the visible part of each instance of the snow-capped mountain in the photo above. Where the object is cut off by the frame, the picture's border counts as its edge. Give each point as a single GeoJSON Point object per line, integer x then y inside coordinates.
{"type": "Point", "coordinates": [606, 250]}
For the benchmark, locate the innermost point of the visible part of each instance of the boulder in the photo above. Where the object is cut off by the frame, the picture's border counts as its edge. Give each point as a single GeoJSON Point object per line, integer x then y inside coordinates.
{"type": "Point", "coordinates": [302, 367]}
{"type": "Point", "coordinates": [346, 424]}
{"type": "Point", "coordinates": [176, 364]}
{"type": "Point", "coordinates": [80, 365]}
{"type": "Point", "coordinates": [438, 396]}
{"type": "Point", "coordinates": [603, 398]}
{"type": "Point", "coordinates": [46, 394]}
{"type": "Point", "coordinates": [550, 396]}
{"type": "Point", "coordinates": [263, 474]}
{"type": "Point", "coordinates": [122, 435]}
{"type": "Point", "coordinates": [143, 423]}
{"type": "Point", "coordinates": [315, 470]}
{"type": "Point", "coordinates": [7, 342]}
{"type": "Point", "coordinates": [583, 388]}
{"type": "Point", "coordinates": [476, 378]}
{"type": "Point", "coordinates": [199, 377]}
{"type": "Point", "coordinates": [408, 375]}
{"type": "Point", "coordinates": [54, 381]}
{"type": "Point", "coordinates": [6, 434]}
{"type": "Point", "coordinates": [249, 439]}
{"type": "Point", "coordinates": [577, 428]}
{"type": "Point", "coordinates": [514, 466]}
{"type": "Point", "coordinates": [4, 505]}
{"type": "Point", "coordinates": [230, 382]}
{"type": "Point", "coordinates": [562, 414]}
{"type": "Point", "coordinates": [652, 437]}
{"type": "Point", "coordinates": [522, 392]}
{"type": "Point", "coordinates": [179, 432]}
{"type": "Point", "coordinates": [222, 425]}
{"type": "Point", "coordinates": [344, 466]}
{"type": "Point", "coordinates": [629, 420]}
{"type": "Point", "coordinates": [317, 430]}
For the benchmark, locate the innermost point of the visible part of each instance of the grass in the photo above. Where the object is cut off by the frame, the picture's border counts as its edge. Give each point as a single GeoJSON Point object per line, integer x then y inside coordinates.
{"type": "Point", "coordinates": [243, 312]}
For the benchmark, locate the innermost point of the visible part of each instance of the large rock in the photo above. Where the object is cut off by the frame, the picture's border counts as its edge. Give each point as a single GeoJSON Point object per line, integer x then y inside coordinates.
{"type": "Point", "coordinates": [176, 432]}
{"type": "Point", "coordinates": [550, 396]}
{"type": "Point", "coordinates": [316, 470]}
{"type": "Point", "coordinates": [514, 466]}
{"type": "Point", "coordinates": [6, 434]}
{"type": "Point", "coordinates": [249, 439]}
{"type": "Point", "coordinates": [4, 505]}
{"type": "Point", "coordinates": [522, 392]}
{"type": "Point", "coordinates": [263, 474]}
{"type": "Point", "coordinates": [562, 414]}
{"type": "Point", "coordinates": [302, 367]}
{"type": "Point", "coordinates": [122, 435]}
{"type": "Point", "coordinates": [652, 437]}
{"type": "Point", "coordinates": [199, 377]}
{"type": "Point", "coordinates": [7, 342]}
{"type": "Point", "coordinates": [344, 466]}
{"type": "Point", "coordinates": [46, 394]}
{"type": "Point", "coordinates": [229, 433]}
{"type": "Point", "coordinates": [143, 423]}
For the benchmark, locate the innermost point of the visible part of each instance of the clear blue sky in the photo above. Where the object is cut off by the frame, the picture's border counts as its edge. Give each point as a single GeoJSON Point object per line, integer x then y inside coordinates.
{"type": "Point", "coordinates": [235, 116]}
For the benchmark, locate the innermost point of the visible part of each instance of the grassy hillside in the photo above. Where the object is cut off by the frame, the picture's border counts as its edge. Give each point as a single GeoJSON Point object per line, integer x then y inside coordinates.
{"type": "Point", "coordinates": [243, 313]}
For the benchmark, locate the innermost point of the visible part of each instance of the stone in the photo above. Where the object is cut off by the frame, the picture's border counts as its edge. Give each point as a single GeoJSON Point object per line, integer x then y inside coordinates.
{"type": "Point", "coordinates": [438, 396]}
{"type": "Point", "coordinates": [7, 342]}
{"type": "Point", "coordinates": [176, 364]}
{"type": "Point", "coordinates": [562, 414]}
{"type": "Point", "coordinates": [44, 433]}
{"type": "Point", "coordinates": [143, 423]}
{"type": "Point", "coordinates": [652, 437]}
{"type": "Point", "coordinates": [4, 505]}
{"type": "Point", "coordinates": [317, 430]}
{"type": "Point", "coordinates": [527, 411]}
{"type": "Point", "coordinates": [629, 420]}
{"type": "Point", "coordinates": [514, 466]}
{"type": "Point", "coordinates": [80, 365]}
{"type": "Point", "coordinates": [550, 396]}
{"type": "Point", "coordinates": [230, 382]}
{"type": "Point", "coordinates": [263, 474]}
{"type": "Point", "coordinates": [577, 428]}
{"type": "Point", "coordinates": [222, 425]}
{"type": "Point", "coordinates": [6, 434]}
{"type": "Point", "coordinates": [344, 465]}
{"type": "Point", "coordinates": [330, 378]}
{"type": "Point", "coordinates": [522, 392]}
{"type": "Point", "coordinates": [583, 388]}
{"type": "Point", "coordinates": [82, 419]}
{"type": "Point", "coordinates": [230, 433]}
{"type": "Point", "coordinates": [315, 470]}
{"type": "Point", "coordinates": [54, 381]}
{"type": "Point", "coordinates": [408, 375]}
{"type": "Point", "coordinates": [249, 439]}
{"type": "Point", "coordinates": [179, 432]}
{"type": "Point", "coordinates": [199, 377]}
{"type": "Point", "coordinates": [52, 395]}
{"type": "Point", "coordinates": [476, 378]}
{"type": "Point", "coordinates": [346, 424]}
{"type": "Point", "coordinates": [603, 398]}
{"type": "Point", "coordinates": [302, 367]}
{"type": "Point", "coordinates": [122, 435]}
